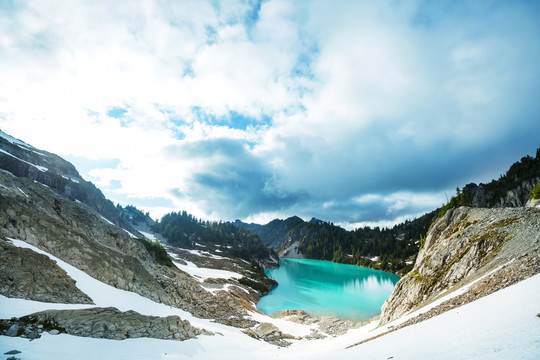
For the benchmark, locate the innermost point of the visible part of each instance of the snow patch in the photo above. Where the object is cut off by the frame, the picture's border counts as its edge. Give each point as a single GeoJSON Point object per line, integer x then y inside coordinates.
{"type": "Point", "coordinates": [37, 182]}
{"type": "Point", "coordinates": [130, 234]}
{"type": "Point", "coordinates": [102, 294]}
{"type": "Point", "coordinates": [205, 254]}
{"type": "Point", "coordinates": [71, 179]}
{"type": "Point", "coordinates": [39, 167]}
{"type": "Point", "coordinates": [107, 220]}
{"type": "Point", "coordinates": [22, 192]}
{"type": "Point", "coordinates": [149, 236]}
{"type": "Point", "coordinates": [28, 148]}
{"type": "Point", "coordinates": [201, 274]}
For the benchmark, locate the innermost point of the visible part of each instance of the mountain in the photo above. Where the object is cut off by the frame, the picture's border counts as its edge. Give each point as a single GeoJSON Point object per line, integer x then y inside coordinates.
{"type": "Point", "coordinates": [273, 233]}
{"type": "Point", "coordinates": [46, 205]}
{"type": "Point", "coordinates": [386, 249]}
{"type": "Point", "coordinates": [23, 160]}
{"type": "Point", "coordinates": [77, 234]}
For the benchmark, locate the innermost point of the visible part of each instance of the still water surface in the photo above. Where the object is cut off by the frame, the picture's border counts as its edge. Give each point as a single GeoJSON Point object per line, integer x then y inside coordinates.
{"type": "Point", "coordinates": [327, 288]}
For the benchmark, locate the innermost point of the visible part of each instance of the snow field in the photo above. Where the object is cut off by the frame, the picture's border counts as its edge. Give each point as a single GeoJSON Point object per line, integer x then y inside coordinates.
{"type": "Point", "coordinates": [503, 325]}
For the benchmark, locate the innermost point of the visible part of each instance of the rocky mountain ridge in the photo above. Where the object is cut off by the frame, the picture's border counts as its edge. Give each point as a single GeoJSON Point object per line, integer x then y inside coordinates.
{"type": "Point", "coordinates": [518, 196]}
{"type": "Point", "coordinates": [510, 190]}
{"type": "Point", "coordinates": [49, 169]}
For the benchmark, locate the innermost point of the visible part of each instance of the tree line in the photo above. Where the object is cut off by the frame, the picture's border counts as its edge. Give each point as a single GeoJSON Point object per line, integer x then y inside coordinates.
{"type": "Point", "coordinates": [185, 230]}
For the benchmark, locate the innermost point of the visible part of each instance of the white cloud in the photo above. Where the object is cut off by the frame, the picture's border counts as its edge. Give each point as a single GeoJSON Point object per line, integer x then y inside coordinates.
{"type": "Point", "coordinates": [346, 99]}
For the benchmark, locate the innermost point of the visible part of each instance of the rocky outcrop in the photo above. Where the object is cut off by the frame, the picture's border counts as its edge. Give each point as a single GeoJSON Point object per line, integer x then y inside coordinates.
{"type": "Point", "coordinates": [292, 252]}
{"type": "Point", "coordinates": [462, 246]}
{"type": "Point", "coordinates": [518, 196]}
{"type": "Point", "coordinates": [533, 203]}
{"type": "Point", "coordinates": [269, 333]}
{"type": "Point", "coordinates": [29, 275]}
{"type": "Point", "coordinates": [322, 326]}
{"type": "Point", "coordinates": [107, 323]}
{"type": "Point", "coordinates": [481, 196]}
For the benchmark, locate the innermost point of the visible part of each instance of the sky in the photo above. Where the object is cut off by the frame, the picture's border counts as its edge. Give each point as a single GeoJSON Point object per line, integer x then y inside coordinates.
{"type": "Point", "coordinates": [361, 113]}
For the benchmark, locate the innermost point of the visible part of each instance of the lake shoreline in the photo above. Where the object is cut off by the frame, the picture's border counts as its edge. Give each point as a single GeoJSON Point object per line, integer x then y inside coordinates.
{"type": "Point", "coordinates": [325, 288]}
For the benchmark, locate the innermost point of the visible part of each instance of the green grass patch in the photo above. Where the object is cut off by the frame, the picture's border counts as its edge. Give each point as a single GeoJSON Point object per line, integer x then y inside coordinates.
{"type": "Point", "coordinates": [157, 251]}
{"type": "Point", "coordinates": [535, 192]}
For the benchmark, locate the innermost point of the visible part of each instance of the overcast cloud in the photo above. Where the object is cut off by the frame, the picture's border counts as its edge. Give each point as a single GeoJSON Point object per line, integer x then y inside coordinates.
{"type": "Point", "coordinates": [356, 112]}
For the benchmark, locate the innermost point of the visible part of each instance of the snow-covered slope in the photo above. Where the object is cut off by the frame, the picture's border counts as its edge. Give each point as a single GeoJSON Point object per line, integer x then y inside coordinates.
{"type": "Point", "coordinates": [503, 325]}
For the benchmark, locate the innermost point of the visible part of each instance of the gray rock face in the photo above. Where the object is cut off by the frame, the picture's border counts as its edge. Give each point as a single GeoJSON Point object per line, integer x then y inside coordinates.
{"type": "Point", "coordinates": [292, 252]}
{"type": "Point", "coordinates": [271, 334]}
{"type": "Point", "coordinates": [462, 246]}
{"type": "Point", "coordinates": [29, 275]}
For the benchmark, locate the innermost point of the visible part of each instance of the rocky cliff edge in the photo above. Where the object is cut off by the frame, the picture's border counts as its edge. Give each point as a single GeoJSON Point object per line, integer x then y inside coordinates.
{"type": "Point", "coordinates": [501, 245]}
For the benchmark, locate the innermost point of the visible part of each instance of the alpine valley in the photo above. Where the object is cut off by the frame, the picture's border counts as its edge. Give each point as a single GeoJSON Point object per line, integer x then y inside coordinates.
{"type": "Point", "coordinates": [83, 278]}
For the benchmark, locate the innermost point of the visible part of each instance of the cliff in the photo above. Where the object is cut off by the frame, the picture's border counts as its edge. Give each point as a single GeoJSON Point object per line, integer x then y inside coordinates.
{"type": "Point", "coordinates": [482, 196]}
{"type": "Point", "coordinates": [500, 246]}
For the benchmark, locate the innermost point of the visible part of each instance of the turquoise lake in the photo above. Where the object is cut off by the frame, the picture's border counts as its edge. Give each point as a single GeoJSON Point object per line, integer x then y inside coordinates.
{"type": "Point", "coordinates": [327, 288]}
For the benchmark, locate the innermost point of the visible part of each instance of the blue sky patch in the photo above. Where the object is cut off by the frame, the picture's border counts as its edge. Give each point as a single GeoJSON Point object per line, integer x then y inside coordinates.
{"type": "Point", "coordinates": [116, 112]}
{"type": "Point", "coordinates": [233, 120]}
{"type": "Point", "coordinates": [84, 165]}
